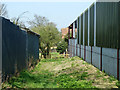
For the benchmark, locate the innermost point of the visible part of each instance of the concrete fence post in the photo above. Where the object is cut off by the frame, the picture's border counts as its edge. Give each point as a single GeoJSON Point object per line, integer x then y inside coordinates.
{"type": "Point", "coordinates": [91, 54]}
{"type": "Point", "coordinates": [84, 53]}
{"type": "Point", "coordinates": [76, 50]}
{"type": "Point", "coordinates": [80, 51]}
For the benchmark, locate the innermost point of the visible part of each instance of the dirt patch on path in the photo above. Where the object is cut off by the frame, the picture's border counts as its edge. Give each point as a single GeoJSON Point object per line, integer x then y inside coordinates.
{"type": "Point", "coordinates": [99, 79]}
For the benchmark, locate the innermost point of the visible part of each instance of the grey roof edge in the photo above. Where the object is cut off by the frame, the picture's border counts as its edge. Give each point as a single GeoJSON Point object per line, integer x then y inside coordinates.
{"type": "Point", "coordinates": [107, 0]}
{"type": "Point", "coordinates": [30, 31]}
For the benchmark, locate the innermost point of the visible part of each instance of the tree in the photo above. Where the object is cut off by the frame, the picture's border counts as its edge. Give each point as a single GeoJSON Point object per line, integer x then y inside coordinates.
{"type": "Point", "coordinates": [18, 22]}
{"type": "Point", "coordinates": [3, 10]}
{"type": "Point", "coordinates": [49, 34]}
{"type": "Point", "coordinates": [39, 21]}
{"type": "Point", "coordinates": [62, 46]}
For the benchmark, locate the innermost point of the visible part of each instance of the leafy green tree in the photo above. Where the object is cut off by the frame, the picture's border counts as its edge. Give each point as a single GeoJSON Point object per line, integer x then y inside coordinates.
{"type": "Point", "coordinates": [62, 46]}
{"type": "Point", "coordinates": [49, 34]}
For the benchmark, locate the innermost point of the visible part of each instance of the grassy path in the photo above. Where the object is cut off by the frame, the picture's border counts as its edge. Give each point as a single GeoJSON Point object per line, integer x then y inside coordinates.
{"type": "Point", "coordinates": [62, 73]}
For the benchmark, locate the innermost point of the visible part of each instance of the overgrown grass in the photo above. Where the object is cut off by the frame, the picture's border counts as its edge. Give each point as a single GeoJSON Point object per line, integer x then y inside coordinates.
{"type": "Point", "coordinates": [69, 77]}
{"type": "Point", "coordinates": [30, 80]}
{"type": "Point", "coordinates": [52, 60]}
{"type": "Point", "coordinates": [67, 81]}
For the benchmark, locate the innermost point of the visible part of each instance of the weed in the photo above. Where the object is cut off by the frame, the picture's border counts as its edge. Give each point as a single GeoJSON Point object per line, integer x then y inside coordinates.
{"type": "Point", "coordinates": [104, 79]}
{"type": "Point", "coordinates": [111, 78]}
{"type": "Point", "coordinates": [72, 59]}
{"type": "Point", "coordinates": [71, 77]}
{"type": "Point", "coordinates": [98, 71]}
{"type": "Point", "coordinates": [81, 69]}
{"type": "Point", "coordinates": [98, 75]}
{"type": "Point", "coordinates": [82, 59]}
{"type": "Point", "coordinates": [65, 81]}
{"type": "Point", "coordinates": [72, 64]}
{"type": "Point", "coordinates": [77, 64]}
{"type": "Point", "coordinates": [118, 84]}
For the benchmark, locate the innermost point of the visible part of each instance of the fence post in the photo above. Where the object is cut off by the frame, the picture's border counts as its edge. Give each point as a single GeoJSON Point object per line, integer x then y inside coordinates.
{"type": "Point", "coordinates": [84, 53]}
{"type": "Point", "coordinates": [76, 49]}
{"type": "Point", "coordinates": [118, 63]}
{"type": "Point", "coordinates": [73, 50]}
{"type": "Point", "coordinates": [91, 54]}
{"type": "Point", "coordinates": [80, 51]}
{"type": "Point", "coordinates": [101, 58]}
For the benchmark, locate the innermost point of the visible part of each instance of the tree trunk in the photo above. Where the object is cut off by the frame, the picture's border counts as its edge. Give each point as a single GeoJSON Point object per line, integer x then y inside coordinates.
{"type": "Point", "coordinates": [48, 49]}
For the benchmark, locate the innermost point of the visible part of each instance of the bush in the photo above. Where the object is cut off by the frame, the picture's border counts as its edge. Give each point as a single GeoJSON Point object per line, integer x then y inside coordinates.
{"type": "Point", "coordinates": [61, 47]}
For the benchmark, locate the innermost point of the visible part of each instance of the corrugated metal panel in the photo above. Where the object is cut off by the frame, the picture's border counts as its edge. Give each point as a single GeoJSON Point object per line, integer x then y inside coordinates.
{"type": "Point", "coordinates": [17, 45]}
{"type": "Point", "coordinates": [119, 26]}
{"type": "Point", "coordinates": [91, 30]}
{"type": "Point", "coordinates": [73, 29]}
{"type": "Point", "coordinates": [13, 48]}
{"type": "Point", "coordinates": [86, 28]}
{"type": "Point", "coordinates": [78, 31]}
{"type": "Point", "coordinates": [94, 24]}
{"type": "Point", "coordinates": [33, 48]}
{"type": "Point", "coordinates": [81, 29]}
{"type": "Point", "coordinates": [107, 25]}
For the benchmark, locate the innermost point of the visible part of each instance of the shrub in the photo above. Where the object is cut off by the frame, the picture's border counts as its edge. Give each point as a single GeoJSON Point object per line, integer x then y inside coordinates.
{"type": "Point", "coordinates": [61, 47]}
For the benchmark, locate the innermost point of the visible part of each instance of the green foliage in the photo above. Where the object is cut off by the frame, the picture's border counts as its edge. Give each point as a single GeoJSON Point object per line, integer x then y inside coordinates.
{"type": "Point", "coordinates": [104, 79]}
{"type": "Point", "coordinates": [49, 34]}
{"type": "Point", "coordinates": [82, 76]}
{"type": "Point", "coordinates": [74, 58]}
{"type": "Point", "coordinates": [52, 60]}
{"type": "Point", "coordinates": [43, 76]}
{"type": "Point", "coordinates": [118, 84]}
{"type": "Point", "coordinates": [61, 47]}
{"type": "Point", "coordinates": [29, 80]}
{"type": "Point", "coordinates": [65, 81]}
{"type": "Point", "coordinates": [111, 78]}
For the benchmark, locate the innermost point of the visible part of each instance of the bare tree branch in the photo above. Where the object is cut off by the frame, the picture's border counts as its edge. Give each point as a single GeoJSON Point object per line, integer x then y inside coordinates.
{"type": "Point", "coordinates": [3, 10]}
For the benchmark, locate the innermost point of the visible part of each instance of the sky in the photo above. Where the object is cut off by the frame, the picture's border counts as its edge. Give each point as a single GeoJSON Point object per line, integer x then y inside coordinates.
{"type": "Point", "coordinates": [61, 13]}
